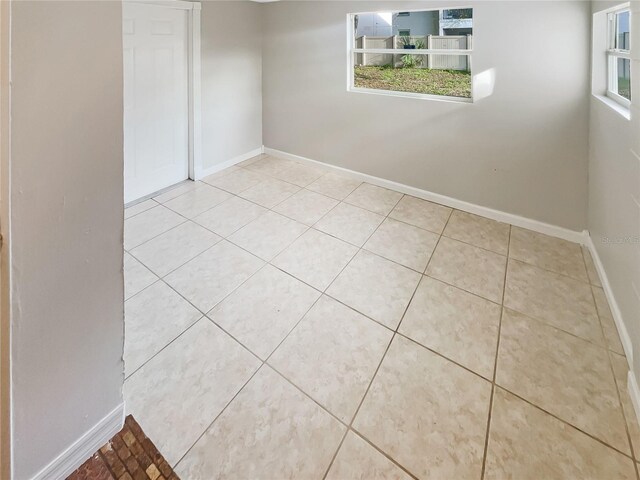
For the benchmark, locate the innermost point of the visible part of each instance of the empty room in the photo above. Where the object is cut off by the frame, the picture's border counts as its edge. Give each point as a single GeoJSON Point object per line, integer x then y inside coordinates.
{"type": "Point", "coordinates": [307, 239]}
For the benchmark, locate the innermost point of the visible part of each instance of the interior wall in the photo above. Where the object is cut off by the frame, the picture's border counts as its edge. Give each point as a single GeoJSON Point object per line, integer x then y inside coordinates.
{"type": "Point", "coordinates": [522, 150]}
{"type": "Point", "coordinates": [5, 380]}
{"type": "Point", "coordinates": [66, 224]}
{"type": "Point", "coordinates": [231, 80]}
{"type": "Point", "coordinates": [614, 186]}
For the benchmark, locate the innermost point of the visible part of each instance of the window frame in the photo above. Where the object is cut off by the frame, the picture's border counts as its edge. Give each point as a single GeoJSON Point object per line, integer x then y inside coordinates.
{"type": "Point", "coordinates": [352, 51]}
{"type": "Point", "coordinates": [614, 53]}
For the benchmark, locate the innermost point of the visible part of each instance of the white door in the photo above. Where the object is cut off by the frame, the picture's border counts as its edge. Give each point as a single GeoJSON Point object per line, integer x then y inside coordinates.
{"type": "Point", "coordinates": [156, 98]}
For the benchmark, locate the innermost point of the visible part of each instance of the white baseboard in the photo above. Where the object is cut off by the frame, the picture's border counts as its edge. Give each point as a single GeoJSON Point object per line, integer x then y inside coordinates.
{"type": "Point", "coordinates": [201, 173]}
{"type": "Point", "coordinates": [82, 449]}
{"type": "Point", "coordinates": [613, 304]}
{"type": "Point", "coordinates": [535, 225]}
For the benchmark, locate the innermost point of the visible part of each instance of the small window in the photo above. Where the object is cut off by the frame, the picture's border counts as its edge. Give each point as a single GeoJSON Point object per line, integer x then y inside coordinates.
{"type": "Point", "coordinates": [427, 55]}
{"type": "Point", "coordinates": [619, 57]}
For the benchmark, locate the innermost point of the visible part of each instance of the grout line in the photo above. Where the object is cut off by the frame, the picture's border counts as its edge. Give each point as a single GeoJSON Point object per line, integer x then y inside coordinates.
{"type": "Point", "coordinates": [165, 346]}
{"type": "Point", "coordinates": [495, 366]}
{"type": "Point", "coordinates": [217, 416]}
{"type": "Point", "coordinates": [564, 422]}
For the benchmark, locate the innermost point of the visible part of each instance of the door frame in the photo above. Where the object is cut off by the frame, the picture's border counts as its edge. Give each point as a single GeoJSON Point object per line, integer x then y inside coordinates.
{"type": "Point", "coordinates": [194, 100]}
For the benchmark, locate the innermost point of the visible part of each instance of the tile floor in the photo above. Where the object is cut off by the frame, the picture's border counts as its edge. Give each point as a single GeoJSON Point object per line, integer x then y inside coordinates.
{"type": "Point", "coordinates": [283, 322]}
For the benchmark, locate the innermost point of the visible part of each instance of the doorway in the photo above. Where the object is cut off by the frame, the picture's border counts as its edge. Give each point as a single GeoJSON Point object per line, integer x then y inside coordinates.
{"type": "Point", "coordinates": [161, 51]}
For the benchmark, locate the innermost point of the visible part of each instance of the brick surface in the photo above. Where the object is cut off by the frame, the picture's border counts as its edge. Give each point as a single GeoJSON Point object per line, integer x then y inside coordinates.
{"type": "Point", "coordinates": [129, 455]}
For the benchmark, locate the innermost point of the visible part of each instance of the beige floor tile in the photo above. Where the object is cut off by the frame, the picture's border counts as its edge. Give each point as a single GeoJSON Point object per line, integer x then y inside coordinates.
{"type": "Point", "coordinates": [177, 190]}
{"type": "Point", "coordinates": [268, 235]}
{"type": "Point", "coordinates": [149, 224]}
{"type": "Point", "coordinates": [427, 413]}
{"type": "Point", "coordinates": [236, 181]}
{"type": "Point", "coordinates": [373, 198]}
{"type": "Point", "coordinates": [454, 323]}
{"type": "Point", "coordinates": [270, 431]}
{"type": "Point", "coordinates": [526, 443]}
{"type": "Point", "coordinates": [562, 374]}
{"type": "Point", "coordinates": [230, 216]}
{"type": "Point", "coordinates": [252, 160]}
{"type": "Point", "coordinates": [357, 460]}
{"type": "Point", "coordinates": [172, 249]}
{"type": "Point", "coordinates": [351, 224]}
{"type": "Point", "coordinates": [264, 309]}
{"type": "Point", "coordinates": [560, 301]}
{"type": "Point", "coordinates": [334, 186]}
{"type": "Point", "coordinates": [470, 268]}
{"type": "Point", "coordinates": [152, 319]}
{"type": "Point", "coordinates": [403, 243]}
{"type": "Point", "coordinates": [478, 231]}
{"type": "Point", "coordinates": [592, 272]}
{"type": "Point", "coordinates": [197, 201]}
{"type": "Point", "coordinates": [306, 207]}
{"type": "Point", "coordinates": [300, 175]}
{"type": "Point", "coordinates": [315, 258]}
{"type": "Point", "coordinates": [611, 335]}
{"type": "Point", "coordinates": [421, 213]}
{"type": "Point", "coordinates": [178, 393]}
{"type": "Point", "coordinates": [139, 208]}
{"type": "Point", "coordinates": [214, 274]}
{"type": "Point", "coordinates": [602, 304]}
{"type": "Point", "coordinates": [222, 173]}
{"type": "Point", "coordinates": [332, 355]}
{"type": "Point", "coordinates": [621, 373]}
{"type": "Point", "coordinates": [547, 252]}
{"type": "Point", "coordinates": [271, 166]}
{"type": "Point", "coordinates": [269, 192]}
{"type": "Point", "coordinates": [376, 287]}
{"type": "Point", "coordinates": [136, 276]}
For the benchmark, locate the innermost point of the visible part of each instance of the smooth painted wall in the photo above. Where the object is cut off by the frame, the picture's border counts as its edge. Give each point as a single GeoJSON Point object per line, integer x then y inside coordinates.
{"type": "Point", "coordinates": [522, 150]}
{"type": "Point", "coordinates": [231, 80]}
{"type": "Point", "coordinates": [614, 187]}
{"type": "Point", "coordinates": [67, 292]}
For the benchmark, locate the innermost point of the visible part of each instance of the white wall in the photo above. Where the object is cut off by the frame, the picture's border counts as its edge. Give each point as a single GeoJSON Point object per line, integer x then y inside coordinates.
{"type": "Point", "coordinates": [231, 80]}
{"type": "Point", "coordinates": [522, 150]}
{"type": "Point", "coordinates": [5, 411]}
{"type": "Point", "coordinates": [614, 187]}
{"type": "Point", "coordinates": [66, 224]}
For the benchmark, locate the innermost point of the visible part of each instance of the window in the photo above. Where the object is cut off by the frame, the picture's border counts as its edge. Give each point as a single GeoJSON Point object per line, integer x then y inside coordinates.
{"type": "Point", "coordinates": [425, 56]}
{"type": "Point", "coordinates": [619, 57]}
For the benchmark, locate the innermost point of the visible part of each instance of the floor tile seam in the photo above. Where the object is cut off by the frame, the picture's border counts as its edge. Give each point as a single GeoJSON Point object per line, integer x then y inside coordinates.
{"type": "Point", "coordinates": [219, 240]}
{"type": "Point", "coordinates": [360, 248]}
{"type": "Point", "coordinates": [559, 274]}
{"type": "Point", "coordinates": [275, 177]}
{"type": "Point", "coordinates": [202, 315]}
{"type": "Point", "coordinates": [139, 203]}
{"type": "Point", "coordinates": [208, 427]}
{"type": "Point", "coordinates": [191, 325]}
{"type": "Point", "coordinates": [495, 369]}
{"type": "Point", "coordinates": [545, 322]}
{"type": "Point", "coordinates": [617, 388]}
{"type": "Point", "coordinates": [563, 421]}
{"type": "Point", "coordinates": [129, 249]}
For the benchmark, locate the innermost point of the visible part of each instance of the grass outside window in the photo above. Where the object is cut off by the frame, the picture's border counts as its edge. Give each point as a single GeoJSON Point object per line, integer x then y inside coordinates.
{"type": "Point", "coordinates": [451, 83]}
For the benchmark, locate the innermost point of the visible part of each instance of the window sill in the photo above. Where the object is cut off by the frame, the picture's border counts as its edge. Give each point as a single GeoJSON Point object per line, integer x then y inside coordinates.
{"type": "Point", "coordinates": [619, 109]}
{"type": "Point", "coordinates": [419, 96]}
